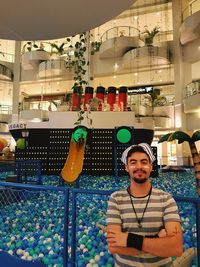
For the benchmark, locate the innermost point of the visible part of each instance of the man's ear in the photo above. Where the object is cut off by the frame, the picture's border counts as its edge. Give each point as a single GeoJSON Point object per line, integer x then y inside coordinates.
{"type": "Point", "coordinates": [126, 167]}
{"type": "Point", "coordinates": [151, 168]}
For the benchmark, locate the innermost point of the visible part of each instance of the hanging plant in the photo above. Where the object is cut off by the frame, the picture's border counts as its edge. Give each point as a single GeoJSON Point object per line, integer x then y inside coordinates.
{"type": "Point", "coordinates": [79, 64]}
{"type": "Point", "coordinates": [95, 46]}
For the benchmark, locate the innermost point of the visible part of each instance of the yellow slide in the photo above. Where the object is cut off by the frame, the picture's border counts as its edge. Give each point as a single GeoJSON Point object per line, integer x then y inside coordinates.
{"type": "Point", "coordinates": [74, 163]}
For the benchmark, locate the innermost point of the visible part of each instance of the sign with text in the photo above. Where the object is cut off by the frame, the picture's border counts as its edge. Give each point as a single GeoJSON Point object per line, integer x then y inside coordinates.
{"type": "Point", "coordinates": [15, 126]}
{"type": "Point", "coordinates": [140, 90]}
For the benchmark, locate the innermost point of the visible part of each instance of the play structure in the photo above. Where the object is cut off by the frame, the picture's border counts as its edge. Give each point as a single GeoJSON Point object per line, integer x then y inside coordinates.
{"type": "Point", "coordinates": [74, 163]}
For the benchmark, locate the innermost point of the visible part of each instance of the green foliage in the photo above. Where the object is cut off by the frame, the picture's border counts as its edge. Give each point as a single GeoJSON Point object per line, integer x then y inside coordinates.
{"type": "Point", "coordinates": [196, 136]}
{"type": "Point", "coordinates": [32, 45]}
{"type": "Point", "coordinates": [164, 138]}
{"type": "Point", "coordinates": [78, 64]}
{"type": "Point", "coordinates": [95, 46]}
{"type": "Point", "coordinates": [148, 36]}
{"type": "Point", "coordinates": [80, 117]}
{"type": "Point", "coordinates": [180, 136]}
{"type": "Point", "coordinates": [152, 33]}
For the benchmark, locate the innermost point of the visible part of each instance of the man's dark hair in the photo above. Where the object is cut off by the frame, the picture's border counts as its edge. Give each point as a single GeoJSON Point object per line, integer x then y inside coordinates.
{"type": "Point", "coordinates": [136, 149]}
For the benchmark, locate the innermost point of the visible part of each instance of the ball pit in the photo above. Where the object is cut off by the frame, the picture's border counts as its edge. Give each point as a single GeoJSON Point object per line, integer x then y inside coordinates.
{"type": "Point", "coordinates": [33, 226]}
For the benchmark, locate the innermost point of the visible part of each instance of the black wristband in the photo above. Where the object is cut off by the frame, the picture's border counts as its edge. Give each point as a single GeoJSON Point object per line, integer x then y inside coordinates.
{"type": "Point", "coordinates": [135, 241]}
{"type": "Point", "coordinates": [151, 236]}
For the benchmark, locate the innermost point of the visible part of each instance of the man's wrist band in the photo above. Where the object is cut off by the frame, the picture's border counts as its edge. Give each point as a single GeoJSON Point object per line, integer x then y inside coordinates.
{"type": "Point", "coordinates": [152, 236]}
{"type": "Point", "coordinates": [135, 241]}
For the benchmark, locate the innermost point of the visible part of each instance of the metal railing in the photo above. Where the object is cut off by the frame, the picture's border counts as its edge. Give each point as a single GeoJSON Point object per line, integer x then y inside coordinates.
{"type": "Point", "coordinates": [5, 109]}
{"type": "Point", "coordinates": [34, 222]}
{"type": "Point", "coordinates": [192, 88]}
{"type": "Point", "coordinates": [7, 57]}
{"type": "Point", "coordinates": [120, 31]}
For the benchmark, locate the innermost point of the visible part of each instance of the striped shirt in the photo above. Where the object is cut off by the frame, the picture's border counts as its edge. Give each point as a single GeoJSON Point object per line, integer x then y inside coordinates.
{"type": "Point", "coordinates": [161, 208]}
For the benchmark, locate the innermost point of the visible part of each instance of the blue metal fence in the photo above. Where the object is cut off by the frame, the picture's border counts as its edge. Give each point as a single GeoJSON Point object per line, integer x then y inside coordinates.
{"type": "Point", "coordinates": [34, 222]}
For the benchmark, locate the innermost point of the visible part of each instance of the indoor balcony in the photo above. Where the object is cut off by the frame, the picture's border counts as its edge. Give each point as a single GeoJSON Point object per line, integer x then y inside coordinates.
{"type": "Point", "coordinates": [118, 40]}
{"type": "Point", "coordinates": [192, 97]}
{"type": "Point", "coordinates": [146, 56]}
{"type": "Point", "coordinates": [32, 59]}
{"type": "Point", "coordinates": [5, 114]}
{"type": "Point", "coordinates": [161, 117]}
{"type": "Point", "coordinates": [190, 32]}
{"type": "Point", "coordinates": [53, 68]}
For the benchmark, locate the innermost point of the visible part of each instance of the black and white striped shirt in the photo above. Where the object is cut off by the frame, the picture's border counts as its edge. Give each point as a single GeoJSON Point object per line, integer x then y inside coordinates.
{"type": "Point", "coordinates": [161, 208]}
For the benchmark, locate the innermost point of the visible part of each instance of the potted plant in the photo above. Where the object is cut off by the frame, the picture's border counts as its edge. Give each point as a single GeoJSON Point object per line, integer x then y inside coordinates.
{"type": "Point", "coordinates": [147, 36]}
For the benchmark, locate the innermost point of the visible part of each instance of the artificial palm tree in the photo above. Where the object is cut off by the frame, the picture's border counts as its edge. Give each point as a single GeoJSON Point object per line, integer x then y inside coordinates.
{"type": "Point", "coordinates": [181, 137]}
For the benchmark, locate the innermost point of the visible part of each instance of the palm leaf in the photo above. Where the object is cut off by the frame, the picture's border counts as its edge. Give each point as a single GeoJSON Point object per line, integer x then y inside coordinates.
{"type": "Point", "coordinates": [180, 136]}
{"type": "Point", "coordinates": [196, 136]}
{"type": "Point", "coordinates": [164, 138]}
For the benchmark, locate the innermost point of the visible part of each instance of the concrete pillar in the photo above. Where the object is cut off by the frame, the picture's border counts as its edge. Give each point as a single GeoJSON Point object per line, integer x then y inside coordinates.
{"type": "Point", "coordinates": [16, 82]}
{"type": "Point", "coordinates": [182, 75]}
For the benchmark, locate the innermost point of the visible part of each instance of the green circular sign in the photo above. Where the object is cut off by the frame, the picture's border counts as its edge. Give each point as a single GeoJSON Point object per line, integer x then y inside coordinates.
{"type": "Point", "coordinates": [21, 143]}
{"type": "Point", "coordinates": [123, 136]}
{"type": "Point", "coordinates": [79, 134]}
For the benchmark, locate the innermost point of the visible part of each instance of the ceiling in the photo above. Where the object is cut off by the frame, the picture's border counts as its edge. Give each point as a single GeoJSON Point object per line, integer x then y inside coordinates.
{"type": "Point", "coordinates": [44, 20]}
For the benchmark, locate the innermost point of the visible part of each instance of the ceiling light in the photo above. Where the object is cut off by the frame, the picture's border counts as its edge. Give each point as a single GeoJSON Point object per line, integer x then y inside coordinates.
{"type": "Point", "coordinates": [116, 66]}
{"type": "Point", "coordinates": [36, 120]}
{"type": "Point", "coordinates": [114, 77]}
{"type": "Point", "coordinates": [136, 74]}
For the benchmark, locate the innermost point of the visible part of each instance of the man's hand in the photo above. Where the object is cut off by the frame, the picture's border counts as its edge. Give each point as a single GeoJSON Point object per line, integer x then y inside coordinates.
{"type": "Point", "coordinates": [162, 233]}
{"type": "Point", "coordinates": [116, 238]}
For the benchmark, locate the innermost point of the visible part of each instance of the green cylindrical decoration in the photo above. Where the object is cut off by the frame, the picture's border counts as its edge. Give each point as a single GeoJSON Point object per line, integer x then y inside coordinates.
{"type": "Point", "coordinates": [79, 135]}
{"type": "Point", "coordinates": [123, 136]}
{"type": "Point", "coordinates": [21, 143]}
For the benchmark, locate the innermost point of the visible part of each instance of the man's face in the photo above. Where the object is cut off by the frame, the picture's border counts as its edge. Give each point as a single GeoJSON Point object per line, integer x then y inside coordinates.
{"type": "Point", "coordinates": [139, 167]}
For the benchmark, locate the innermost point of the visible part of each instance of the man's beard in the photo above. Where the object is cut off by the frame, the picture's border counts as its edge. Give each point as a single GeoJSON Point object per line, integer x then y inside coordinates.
{"type": "Point", "coordinates": [139, 181]}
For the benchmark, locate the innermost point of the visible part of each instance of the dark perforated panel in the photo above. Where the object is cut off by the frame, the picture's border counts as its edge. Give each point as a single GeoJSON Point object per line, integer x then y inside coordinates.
{"type": "Point", "coordinates": [101, 151]}
{"type": "Point", "coordinates": [37, 149]}
{"type": "Point", "coordinates": [59, 140]}
{"type": "Point", "coordinates": [51, 147]}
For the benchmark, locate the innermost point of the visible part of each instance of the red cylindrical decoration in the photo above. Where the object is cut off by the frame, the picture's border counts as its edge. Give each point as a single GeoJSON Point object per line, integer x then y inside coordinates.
{"type": "Point", "coordinates": [100, 93]}
{"type": "Point", "coordinates": [122, 98]}
{"type": "Point", "coordinates": [76, 98]}
{"type": "Point", "coordinates": [111, 97]}
{"type": "Point", "coordinates": [88, 95]}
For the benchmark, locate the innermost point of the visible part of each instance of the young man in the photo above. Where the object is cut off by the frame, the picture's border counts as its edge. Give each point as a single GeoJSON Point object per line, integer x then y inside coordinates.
{"type": "Point", "coordinates": [136, 215]}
